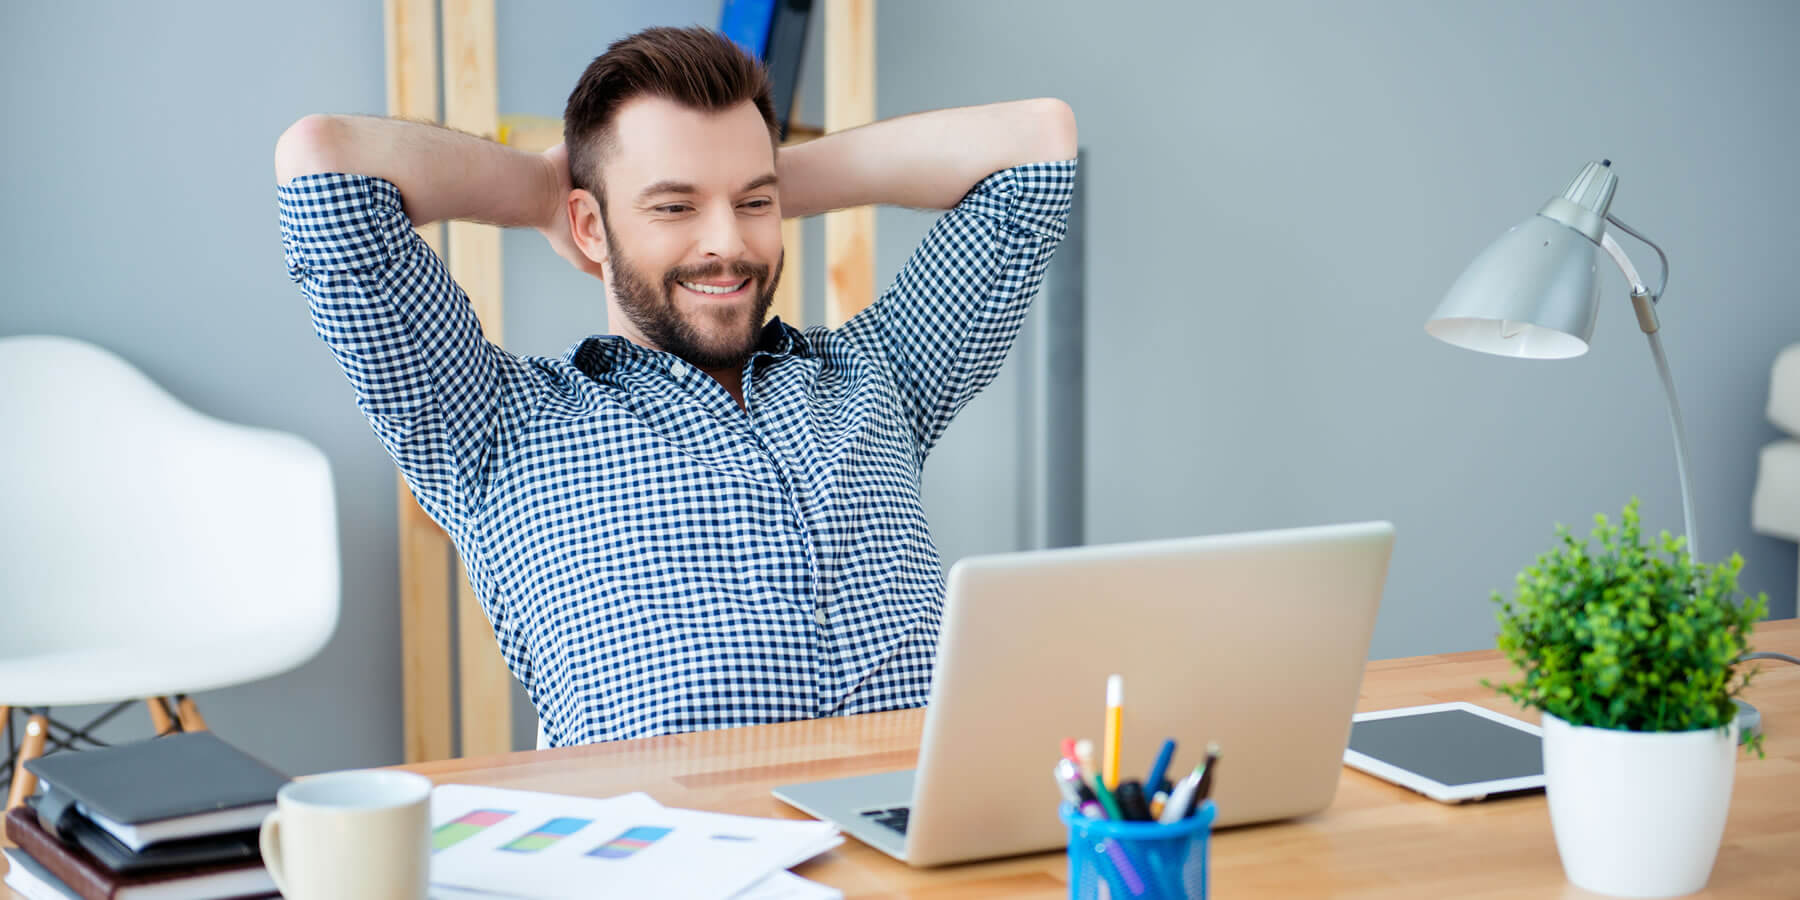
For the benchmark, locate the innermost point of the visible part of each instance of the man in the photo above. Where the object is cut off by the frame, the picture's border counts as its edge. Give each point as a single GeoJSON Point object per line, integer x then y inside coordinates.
{"type": "Point", "coordinates": [702, 521]}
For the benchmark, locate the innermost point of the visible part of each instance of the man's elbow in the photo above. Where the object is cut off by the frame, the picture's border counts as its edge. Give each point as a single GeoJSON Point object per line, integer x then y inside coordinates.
{"type": "Point", "coordinates": [308, 147]}
{"type": "Point", "coordinates": [1060, 139]}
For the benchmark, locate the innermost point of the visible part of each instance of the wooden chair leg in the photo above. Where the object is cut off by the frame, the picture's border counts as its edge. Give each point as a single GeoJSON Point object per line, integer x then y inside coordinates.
{"type": "Point", "coordinates": [159, 715]}
{"type": "Point", "coordinates": [189, 713]}
{"type": "Point", "coordinates": [24, 784]}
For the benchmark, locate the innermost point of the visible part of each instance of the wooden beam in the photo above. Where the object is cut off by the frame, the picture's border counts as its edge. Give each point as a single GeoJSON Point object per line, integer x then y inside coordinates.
{"type": "Point", "coordinates": [425, 559]}
{"type": "Point", "coordinates": [486, 683]}
{"type": "Point", "coordinates": [849, 102]}
{"type": "Point", "coordinates": [412, 77]}
{"type": "Point", "coordinates": [471, 104]}
{"type": "Point", "coordinates": [412, 84]}
{"type": "Point", "coordinates": [789, 305]}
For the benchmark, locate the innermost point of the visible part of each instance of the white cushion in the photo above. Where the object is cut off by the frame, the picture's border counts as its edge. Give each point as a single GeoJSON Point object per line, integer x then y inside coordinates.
{"type": "Point", "coordinates": [1775, 505]}
{"type": "Point", "coordinates": [1784, 391]}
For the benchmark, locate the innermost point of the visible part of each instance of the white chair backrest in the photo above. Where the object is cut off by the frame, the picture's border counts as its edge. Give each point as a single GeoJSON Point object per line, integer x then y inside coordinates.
{"type": "Point", "coordinates": [125, 516]}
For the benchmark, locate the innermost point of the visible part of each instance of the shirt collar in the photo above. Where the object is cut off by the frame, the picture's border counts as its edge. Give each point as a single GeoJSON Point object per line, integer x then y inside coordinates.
{"type": "Point", "coordinates": [602, 353]}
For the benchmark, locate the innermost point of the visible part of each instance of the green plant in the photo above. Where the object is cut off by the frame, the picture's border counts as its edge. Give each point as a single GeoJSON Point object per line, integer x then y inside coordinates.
{"type": "Point", "coordinates": [1622, 636]}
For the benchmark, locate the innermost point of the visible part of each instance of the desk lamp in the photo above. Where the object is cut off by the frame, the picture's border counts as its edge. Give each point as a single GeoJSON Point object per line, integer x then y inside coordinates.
{"type": "Point", "coordinates": [1533, 294]}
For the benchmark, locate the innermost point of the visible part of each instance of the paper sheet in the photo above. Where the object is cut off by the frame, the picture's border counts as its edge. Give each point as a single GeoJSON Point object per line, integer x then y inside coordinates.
{"type": "Point", "coordinates": [528, 844]}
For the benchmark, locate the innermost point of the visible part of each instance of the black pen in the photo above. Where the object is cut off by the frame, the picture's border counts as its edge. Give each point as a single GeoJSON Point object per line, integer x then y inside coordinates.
{"type": "Point", "coordinates": [1132, 802]}
{"type": "Point", "coordinates": [1204, 789]}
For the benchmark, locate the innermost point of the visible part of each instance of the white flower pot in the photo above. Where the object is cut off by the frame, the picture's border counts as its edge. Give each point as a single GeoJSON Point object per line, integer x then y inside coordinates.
{"type": "Point", "coordinates": [1638, 814]}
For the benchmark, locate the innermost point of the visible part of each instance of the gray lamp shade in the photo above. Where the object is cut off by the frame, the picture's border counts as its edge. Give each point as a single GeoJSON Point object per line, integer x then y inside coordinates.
{"type": "Point", "coordinates": [1532, 293]}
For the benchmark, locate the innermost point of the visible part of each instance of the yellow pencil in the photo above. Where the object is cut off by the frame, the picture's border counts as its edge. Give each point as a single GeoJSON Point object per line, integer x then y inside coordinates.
{"type": "Point", "coordinates": [1115, 716]}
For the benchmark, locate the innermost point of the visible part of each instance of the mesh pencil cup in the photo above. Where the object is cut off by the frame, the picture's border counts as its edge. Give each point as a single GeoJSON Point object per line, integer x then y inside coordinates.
{"type": "Point", "coordinates": [1138, 860]}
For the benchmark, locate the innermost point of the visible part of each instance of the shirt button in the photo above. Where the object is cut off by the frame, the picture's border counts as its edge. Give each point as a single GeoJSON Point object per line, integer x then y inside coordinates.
{"type": "Point", "coordinates": [675, 368]}
{"type": "Point", "coordinates": [819, 615]}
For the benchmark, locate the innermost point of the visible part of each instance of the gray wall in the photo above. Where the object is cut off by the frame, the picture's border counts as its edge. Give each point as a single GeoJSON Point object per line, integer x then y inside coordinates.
{"type": "Point", "coordinates": [1277, 195]}
{"type": "Point", "coordinates": [1280, 192]}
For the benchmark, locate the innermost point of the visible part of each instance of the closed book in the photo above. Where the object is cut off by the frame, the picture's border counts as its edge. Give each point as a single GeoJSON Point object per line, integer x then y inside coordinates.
{"type": "Point", "coordinates": [32, 881]}
{"type": "Point", "coordinates": [167, 788]}
{"type": "Point", "coordinates": [237, 847]}
{"type": "Point", "coordinates": [81, 873]}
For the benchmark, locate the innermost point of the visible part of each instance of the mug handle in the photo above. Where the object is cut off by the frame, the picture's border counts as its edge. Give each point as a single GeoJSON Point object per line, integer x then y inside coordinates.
{"type": "Point", "coordinates": [270, 840]}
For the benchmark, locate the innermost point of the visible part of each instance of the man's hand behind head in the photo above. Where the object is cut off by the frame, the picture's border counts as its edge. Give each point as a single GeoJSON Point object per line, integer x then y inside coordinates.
{"type": "Point", "coordinates": [556, 228]}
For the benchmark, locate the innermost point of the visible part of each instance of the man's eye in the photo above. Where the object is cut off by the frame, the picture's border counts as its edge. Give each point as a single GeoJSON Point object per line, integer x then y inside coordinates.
{"type": "Point", "coordinates": [759, 204]}
{"type": "Point", "coordinates": [672, 208]}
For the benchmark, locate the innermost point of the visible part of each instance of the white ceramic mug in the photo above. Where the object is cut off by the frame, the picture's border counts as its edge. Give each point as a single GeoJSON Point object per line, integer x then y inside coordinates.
{"type": "Point", "coordinates": [351, 836]}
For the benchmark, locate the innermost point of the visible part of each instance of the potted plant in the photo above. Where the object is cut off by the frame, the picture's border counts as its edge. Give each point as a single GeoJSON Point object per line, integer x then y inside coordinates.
{"type": "Point", "coordinates": [1632, 654]}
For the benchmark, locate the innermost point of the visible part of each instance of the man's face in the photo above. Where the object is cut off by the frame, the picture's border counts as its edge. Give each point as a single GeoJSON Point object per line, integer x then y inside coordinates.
{"type": "Point", "coordinates": [693, 229]}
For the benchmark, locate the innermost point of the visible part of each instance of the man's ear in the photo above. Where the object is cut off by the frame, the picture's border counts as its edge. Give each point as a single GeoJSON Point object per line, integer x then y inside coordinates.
{"type": "Point", "coordinates": [588, 229]}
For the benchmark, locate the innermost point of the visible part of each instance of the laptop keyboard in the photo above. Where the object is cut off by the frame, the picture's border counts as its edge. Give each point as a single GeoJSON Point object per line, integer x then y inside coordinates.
{"type": "Point", "coordinates": [893, 818]}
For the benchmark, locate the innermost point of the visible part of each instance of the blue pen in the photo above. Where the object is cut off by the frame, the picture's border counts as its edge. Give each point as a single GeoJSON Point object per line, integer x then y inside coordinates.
{"type": "Point", "coordinates": [1162, 765]}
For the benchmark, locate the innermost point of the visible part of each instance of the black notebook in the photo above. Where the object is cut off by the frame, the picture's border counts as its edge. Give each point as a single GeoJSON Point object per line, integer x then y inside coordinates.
{"type": "Point", "coordinates": [167, 788]}
{"type": "Point", "coordinates": [241, 846]}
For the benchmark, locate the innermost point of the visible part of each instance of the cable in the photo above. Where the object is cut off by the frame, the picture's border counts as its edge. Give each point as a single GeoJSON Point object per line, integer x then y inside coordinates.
{"type": "Point", "coordinates": [1765, 654]}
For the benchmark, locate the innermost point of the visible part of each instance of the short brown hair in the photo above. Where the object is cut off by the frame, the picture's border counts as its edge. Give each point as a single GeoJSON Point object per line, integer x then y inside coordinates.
{"type": "Point", "coordinates": [696, 67]}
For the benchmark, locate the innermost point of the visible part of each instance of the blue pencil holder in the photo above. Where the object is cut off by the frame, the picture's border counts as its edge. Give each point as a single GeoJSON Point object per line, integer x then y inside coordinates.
{"type": "Point", "coordinates": [1138, 860]}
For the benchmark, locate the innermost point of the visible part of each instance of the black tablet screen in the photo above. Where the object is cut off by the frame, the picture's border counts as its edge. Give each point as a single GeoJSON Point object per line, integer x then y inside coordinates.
{"type": "Point", "coordinates": [1451, 747]}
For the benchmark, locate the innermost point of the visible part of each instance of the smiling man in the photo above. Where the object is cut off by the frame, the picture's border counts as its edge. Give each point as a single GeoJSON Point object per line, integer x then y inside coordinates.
{"type": "Point", "coordinates": [703, 520]}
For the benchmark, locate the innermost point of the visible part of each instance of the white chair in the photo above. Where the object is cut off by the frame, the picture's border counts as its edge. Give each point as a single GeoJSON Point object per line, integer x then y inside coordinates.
{"type": "Point", "coordinates": [1775, 502]}
{"type": "Point", "coordinates": [146, 551]}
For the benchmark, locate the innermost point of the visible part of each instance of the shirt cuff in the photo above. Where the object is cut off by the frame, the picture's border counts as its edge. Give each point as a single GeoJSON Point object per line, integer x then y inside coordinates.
{"type": "Point", "coordinates": [1034, 197]}
{"type": "Point", "coordinates": [335, 221]}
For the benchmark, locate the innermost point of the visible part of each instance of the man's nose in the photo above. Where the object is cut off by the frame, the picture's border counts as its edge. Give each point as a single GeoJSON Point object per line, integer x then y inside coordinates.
{"type": "Point", "coordinates": [722, 236]}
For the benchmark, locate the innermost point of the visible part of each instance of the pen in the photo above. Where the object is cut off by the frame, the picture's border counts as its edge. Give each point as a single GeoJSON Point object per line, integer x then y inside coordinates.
{"type": "Point", "coordinates": [1084, 757]}
{"type": "Point", "coordinates": [1108, 801]}
{"type": "Point", "coordinates": [1068, 751]}
{"type": "Point", "coordinates": [1115, 715]}
{"type": "Point", "coordinates": [1179, 798]}
{"type": "Point", "coordinates": [1130, 797]}
{"type": "Point", "coordinates": [1154, 782]}
{"type": "Point", "coordinates": [1066, 779]}
{"type": "Point", "coordinates": [1206, 779]}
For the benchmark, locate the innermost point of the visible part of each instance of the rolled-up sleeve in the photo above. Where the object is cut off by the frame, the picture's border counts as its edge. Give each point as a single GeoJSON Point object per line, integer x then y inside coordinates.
{"type": "Point", "coordinates": [946, 323]}
{"type": "Point", "coordinates": [404, 333]}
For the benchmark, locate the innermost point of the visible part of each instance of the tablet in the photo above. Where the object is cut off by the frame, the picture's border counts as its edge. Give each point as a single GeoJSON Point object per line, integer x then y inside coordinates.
{"type": "Point", "coordinates": [1450, 752]}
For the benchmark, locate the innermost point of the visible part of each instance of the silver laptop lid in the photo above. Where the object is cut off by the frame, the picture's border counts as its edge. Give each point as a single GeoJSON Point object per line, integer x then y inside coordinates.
{"type": "Point", "coordinates": [1255, 640]}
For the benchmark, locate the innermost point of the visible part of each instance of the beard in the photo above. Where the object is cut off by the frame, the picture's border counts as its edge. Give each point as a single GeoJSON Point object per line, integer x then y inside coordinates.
{"type": "Point", "coordinates": [710, 339]}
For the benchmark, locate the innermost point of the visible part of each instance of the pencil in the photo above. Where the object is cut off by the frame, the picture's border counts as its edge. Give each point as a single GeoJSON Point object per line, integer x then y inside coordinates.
{"type": "Point", "coordinates": [1115, 716]}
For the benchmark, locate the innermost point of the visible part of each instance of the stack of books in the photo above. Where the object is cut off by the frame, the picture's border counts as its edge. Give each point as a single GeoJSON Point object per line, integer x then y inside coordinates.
{"type": "Point", "coordinates": [172, 818]}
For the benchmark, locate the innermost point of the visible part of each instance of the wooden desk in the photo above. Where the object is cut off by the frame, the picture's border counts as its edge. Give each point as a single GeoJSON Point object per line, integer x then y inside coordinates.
{"type": "Point", "coordinates": [1376, 840]}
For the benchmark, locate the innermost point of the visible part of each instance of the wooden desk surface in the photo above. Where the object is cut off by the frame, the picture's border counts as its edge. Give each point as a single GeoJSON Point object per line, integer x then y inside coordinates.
{"type": "Point", "coordinates": [1376, 839]}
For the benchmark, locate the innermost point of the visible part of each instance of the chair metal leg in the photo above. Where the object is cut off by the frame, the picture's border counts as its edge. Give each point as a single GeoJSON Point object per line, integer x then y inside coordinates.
{"type": "Point", "coordinates": [159, 715]}
{"type": "Point", "coordinates": [188, 713]}
{"type": "Point", "coordinates": [24, 784]}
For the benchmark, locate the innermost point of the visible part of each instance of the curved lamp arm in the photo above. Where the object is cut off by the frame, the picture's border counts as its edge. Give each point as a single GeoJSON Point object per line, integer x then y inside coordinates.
{"type": "Point", "coordinates": [1645, 303]}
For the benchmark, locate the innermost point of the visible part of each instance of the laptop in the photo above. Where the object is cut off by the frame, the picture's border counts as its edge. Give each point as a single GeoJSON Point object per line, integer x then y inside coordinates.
{"type": "Point", "coordinates": [1256, 640]}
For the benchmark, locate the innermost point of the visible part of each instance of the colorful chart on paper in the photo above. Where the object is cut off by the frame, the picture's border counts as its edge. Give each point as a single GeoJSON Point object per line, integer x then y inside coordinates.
{"type": "Point", "coordinates": [630, 842]}
{"type": "Point", "coordinates": [467, 826]}
{"type": "Point", "coordinates": [546, 835]}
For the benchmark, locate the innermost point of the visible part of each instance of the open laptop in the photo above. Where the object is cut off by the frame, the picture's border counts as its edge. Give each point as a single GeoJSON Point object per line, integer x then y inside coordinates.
{"type": "Point", "coordinates": [1257, 641]}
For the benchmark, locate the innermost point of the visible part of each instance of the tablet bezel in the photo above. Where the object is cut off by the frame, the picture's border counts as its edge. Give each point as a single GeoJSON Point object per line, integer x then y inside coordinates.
{"type": "Point", "coordinates": [1437, 790]}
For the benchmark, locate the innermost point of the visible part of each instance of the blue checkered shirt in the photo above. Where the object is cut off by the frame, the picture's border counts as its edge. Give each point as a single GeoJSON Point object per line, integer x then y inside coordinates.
{"type": "Point", "coordinates": [654, 558]}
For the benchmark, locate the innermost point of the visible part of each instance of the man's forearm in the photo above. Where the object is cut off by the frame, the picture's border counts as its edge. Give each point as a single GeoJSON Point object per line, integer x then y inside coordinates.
{"type": "Point", "coordinates": [926, 160]}
{"type": "Point", "coordinates": [441, 174]}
